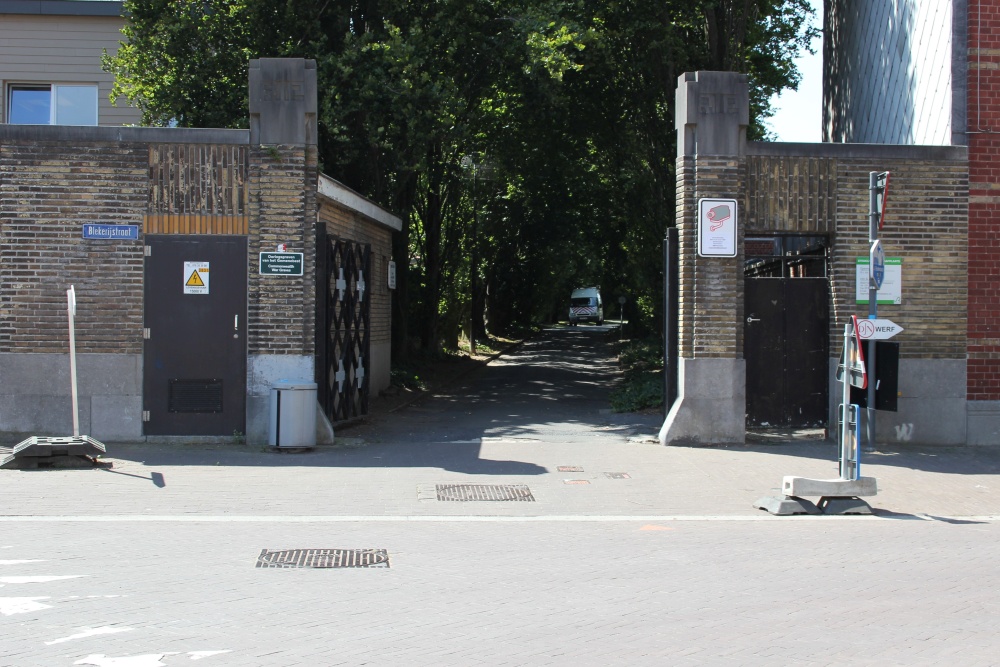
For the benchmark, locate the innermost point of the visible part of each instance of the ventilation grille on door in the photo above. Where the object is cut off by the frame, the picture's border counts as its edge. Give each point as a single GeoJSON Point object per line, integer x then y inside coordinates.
{"type": "Point", "coordinates": [195, 396]}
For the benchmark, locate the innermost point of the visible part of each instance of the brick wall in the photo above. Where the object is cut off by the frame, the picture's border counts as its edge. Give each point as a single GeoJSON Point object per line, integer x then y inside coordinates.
{"type": "Point", "coordinates": [984, 200]}
{"type": "Point", "coordinates": [48, 191]}
{"type": "Point", "coordinates": [826, 192]}
{"type": "Point", "coordinates": [281, 309]}
{"type": "Point", "coordinates": [710, 288]}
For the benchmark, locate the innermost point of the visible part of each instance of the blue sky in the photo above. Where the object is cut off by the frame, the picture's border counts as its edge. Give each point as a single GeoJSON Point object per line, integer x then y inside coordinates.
{"type": "Point", "coordinates": [798, 114]}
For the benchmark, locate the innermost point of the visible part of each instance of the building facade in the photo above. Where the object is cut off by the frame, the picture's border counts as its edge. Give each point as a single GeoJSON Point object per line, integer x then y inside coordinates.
{"type": "Point", "coordinates": [50, 62]}
{"type": "Point", "coordinates": [194, 257]}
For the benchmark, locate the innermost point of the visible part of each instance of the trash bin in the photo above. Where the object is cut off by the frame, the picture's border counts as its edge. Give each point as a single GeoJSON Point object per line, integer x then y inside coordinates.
{"type": "Point", "coordinates": [293, 414]}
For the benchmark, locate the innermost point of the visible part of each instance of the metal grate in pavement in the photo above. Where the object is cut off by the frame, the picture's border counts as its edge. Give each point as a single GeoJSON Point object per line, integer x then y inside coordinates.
{"type": "Point", "coordinates": [617, 475]}
{"type": "Point", "coordinates": [323, 558]}
{"type": "Point", "coordinates": [462, 492]}
{"type": "Point", "coordinates": [570, 468]}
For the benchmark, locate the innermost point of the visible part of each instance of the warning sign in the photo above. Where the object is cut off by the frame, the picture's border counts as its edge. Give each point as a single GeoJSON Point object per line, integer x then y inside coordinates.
{"type": "Point", "coordinates": [196, 277]}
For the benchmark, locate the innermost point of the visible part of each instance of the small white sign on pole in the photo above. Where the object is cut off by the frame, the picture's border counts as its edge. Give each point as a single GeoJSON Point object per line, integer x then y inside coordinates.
{"type": "Point", "coordinates": [877, 329]}
{"type": "Point", "coordinates": [717, 225]}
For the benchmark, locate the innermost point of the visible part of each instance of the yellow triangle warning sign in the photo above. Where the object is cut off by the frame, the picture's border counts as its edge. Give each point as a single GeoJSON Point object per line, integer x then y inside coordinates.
{"type": "Point", "coordinates": [195, 280]}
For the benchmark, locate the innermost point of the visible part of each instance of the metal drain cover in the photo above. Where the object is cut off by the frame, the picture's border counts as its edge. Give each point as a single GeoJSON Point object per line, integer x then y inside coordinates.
{"type": "Point", "coordinates": [323, 558]}
{"type": "Point", "coordinates": [463, 492]}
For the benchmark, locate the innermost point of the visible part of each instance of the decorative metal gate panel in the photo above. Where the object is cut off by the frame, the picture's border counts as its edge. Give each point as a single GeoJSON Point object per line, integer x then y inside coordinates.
{"type": "Point", "coordinates": [345, 343]}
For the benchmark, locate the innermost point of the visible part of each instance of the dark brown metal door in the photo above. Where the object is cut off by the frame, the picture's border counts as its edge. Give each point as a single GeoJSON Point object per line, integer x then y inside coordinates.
{"type": "Point", "coordinates": [787, 352]}
{"type": "Point", "coordinates": [194, 361]}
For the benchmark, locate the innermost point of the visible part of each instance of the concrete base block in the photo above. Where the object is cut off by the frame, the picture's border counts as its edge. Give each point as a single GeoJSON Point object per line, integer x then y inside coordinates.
{"type": "Point", "coordinates": [840, 505]}
{"type": "Point", "coordinates": [786, 506]}
{"type": "Point", "coordinates": [711, 408]}
{"type": "Point", "coordinates": [803, 486]}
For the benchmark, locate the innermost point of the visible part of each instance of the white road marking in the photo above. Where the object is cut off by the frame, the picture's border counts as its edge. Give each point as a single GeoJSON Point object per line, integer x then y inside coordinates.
{"type": "Point", "coordinates": [198, 655]}
{"type": "Point", "coordinates": [88, 632]}
{"type": "Point", "coordinates": [11, 606]}
{"type": "Point", "coordinates": [38, 579]}
{"type": "Point", "coordinates": [553, 518]}
{"type": "Point", "coordinates": [21, 562]}
{"type": "Point", "coordinates": [101, 660]}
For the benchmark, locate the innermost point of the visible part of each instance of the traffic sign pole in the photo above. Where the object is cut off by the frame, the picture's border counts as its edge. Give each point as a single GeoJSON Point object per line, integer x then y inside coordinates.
{"type": "Point", "coordinates": [875, 189]}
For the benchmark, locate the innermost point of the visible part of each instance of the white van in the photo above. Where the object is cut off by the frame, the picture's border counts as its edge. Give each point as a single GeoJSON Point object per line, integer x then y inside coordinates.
{"type": "Point", "coordinates": [585, 305]}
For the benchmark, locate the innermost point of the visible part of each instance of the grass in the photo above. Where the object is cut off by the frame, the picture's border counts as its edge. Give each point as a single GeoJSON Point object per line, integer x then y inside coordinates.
{"type": "Point", "coordinates": [641, 386]}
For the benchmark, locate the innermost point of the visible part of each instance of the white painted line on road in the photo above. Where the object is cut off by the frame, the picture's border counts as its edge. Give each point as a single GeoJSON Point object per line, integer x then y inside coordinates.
{"type": "Point", "coordinates": [42, 579]}
{"type": "Point", "coordinates": [209, 518]}
{"type": "Point", "coordinates": [86, 632]}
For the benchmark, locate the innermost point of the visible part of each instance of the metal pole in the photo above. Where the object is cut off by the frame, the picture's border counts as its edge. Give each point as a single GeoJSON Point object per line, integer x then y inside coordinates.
{"type": "Point", "coordinates": [873, 214]}
{"type": "Point", "coordinates": [473, 269]}
{"type": "Point", "coordinates": [845, 408]}
{"type": "Point", "coordinates": [71, 308]}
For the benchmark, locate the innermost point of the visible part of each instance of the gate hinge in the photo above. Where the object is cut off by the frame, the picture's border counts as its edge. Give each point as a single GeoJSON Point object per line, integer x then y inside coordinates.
{"type": "Point", "coordinates": [145, 415]}
{"type": "Point", "coordinates": [146, 333]}
{"type": "Point", "coordinates": [147, 251]}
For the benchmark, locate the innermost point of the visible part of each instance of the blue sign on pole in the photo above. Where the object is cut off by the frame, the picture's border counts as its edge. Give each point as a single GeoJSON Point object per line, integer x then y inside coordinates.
{"type": "Point", "coordinates": [877, 262]}
{"type": "Point", "coordinates": [116, 232]}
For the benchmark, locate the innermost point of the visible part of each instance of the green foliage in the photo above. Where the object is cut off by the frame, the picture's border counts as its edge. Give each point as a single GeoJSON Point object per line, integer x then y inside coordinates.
{"type": "Point", "coordinates": [529, 145]}
{"type": "Point", "coordinates": [641, 386]}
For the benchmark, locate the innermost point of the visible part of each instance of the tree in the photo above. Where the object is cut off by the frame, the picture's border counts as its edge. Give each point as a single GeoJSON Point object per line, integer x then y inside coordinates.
{"type": "Point", "coordinates": [572, 100]}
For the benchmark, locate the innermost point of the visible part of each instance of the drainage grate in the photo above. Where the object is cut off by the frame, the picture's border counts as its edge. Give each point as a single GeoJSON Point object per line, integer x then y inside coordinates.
{"type": "Point", "coordinates": [617, 475]}
{"type": "Point", "coordinates": [484, 492]}
{"type": "Point", "coordinates": [323, 558]}
{"type": "Point", "coordinates": [570, 468]}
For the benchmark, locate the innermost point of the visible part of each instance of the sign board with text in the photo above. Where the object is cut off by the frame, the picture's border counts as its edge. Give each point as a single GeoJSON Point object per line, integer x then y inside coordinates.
{"type": "Point", "coordinates": [281, 263]}
{"type": "Point", "coordinates": [891, 292]}
{"type": "Point", "coordinates": [717, 225]}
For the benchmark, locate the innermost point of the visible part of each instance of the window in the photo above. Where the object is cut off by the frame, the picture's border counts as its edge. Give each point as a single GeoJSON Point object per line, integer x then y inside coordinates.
{"type": "Point", "coordinates": [55, 104]}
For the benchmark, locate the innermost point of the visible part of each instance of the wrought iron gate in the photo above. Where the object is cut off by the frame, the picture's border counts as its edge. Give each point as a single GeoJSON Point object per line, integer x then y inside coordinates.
{"type": "Point", "coordinates": [343, 348]}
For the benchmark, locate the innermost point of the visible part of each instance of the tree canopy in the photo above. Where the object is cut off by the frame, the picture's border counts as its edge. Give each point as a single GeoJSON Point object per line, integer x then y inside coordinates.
{"type": "Point", "coordinates": [528, 144]}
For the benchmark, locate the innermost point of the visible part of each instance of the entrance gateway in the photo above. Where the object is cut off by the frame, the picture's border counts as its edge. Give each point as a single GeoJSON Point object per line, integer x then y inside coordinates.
{"type": "Point", "coordinates": [786, 344]}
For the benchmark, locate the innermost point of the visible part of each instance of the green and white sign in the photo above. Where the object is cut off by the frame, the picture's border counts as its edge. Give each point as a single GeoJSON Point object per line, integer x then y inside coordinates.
{"type": "Point", "coordinates": [891, 292]}
{"type": "Point", "coordinates": [281, 263]}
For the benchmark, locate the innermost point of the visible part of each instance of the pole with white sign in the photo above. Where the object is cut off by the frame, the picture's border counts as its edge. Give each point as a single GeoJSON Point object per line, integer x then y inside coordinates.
{"type": "Point", "coordinates": [878, 195]}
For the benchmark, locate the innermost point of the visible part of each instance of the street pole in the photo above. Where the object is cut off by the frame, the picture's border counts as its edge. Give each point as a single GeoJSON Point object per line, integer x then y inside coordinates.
{"type": "Point", "coordinates": [473, 268]}
{"type": "Point", "coordinates": [873, 215]}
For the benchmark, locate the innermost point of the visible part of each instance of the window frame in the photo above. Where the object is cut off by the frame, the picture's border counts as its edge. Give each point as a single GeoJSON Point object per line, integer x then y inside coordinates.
{"type": "Point", "coordinates": [54, 91]}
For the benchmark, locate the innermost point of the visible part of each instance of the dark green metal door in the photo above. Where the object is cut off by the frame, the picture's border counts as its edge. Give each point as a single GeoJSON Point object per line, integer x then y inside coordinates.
{"type": "Point", "coordinates": [195, 354]}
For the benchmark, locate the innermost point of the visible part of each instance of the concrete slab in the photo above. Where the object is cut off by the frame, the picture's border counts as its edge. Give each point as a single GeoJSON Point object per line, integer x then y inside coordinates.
{"type": "Point", "coordinates": [804, 486]}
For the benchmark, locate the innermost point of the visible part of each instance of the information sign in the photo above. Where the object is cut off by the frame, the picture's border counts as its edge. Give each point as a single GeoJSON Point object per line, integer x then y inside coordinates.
{"type": "Point", "coordinates": [281, 263]}
{"type": "Point", "coordinates": [717, 225]}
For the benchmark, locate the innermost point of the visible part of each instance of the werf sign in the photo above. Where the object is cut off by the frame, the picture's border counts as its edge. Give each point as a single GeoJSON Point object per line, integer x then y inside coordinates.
{"type": "Point", "coordinates": [717, 225]}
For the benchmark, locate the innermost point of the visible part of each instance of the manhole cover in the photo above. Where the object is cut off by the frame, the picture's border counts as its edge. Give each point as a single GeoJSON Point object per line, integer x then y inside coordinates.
{"type": "Point", "coordinates": [617, 475]}
{"type": "Point", "coordinates": [484, 492]}
{"type": "Point", "coordinates": [570, 468]}
{"type": "Point", "coordinates": [323, 558]}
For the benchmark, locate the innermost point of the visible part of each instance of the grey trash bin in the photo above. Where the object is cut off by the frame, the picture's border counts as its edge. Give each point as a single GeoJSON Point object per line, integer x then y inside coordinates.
{"type": "Point", "coordinates": [293, 414]}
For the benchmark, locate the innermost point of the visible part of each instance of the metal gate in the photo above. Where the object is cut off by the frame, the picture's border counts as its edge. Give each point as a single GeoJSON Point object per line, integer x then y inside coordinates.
{"type": "Point", "coordinates": [786, 352]}
{"type": "Point", "coordinates": [344, 267]}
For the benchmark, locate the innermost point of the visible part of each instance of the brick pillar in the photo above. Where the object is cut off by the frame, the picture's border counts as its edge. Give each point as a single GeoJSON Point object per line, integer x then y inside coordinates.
{"type": "Point", "coordinates": [712, 114]}
{"type": "Point", "coordinates": [983, 122]}
{"type": "Point", "coordinates": [283, 210]}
